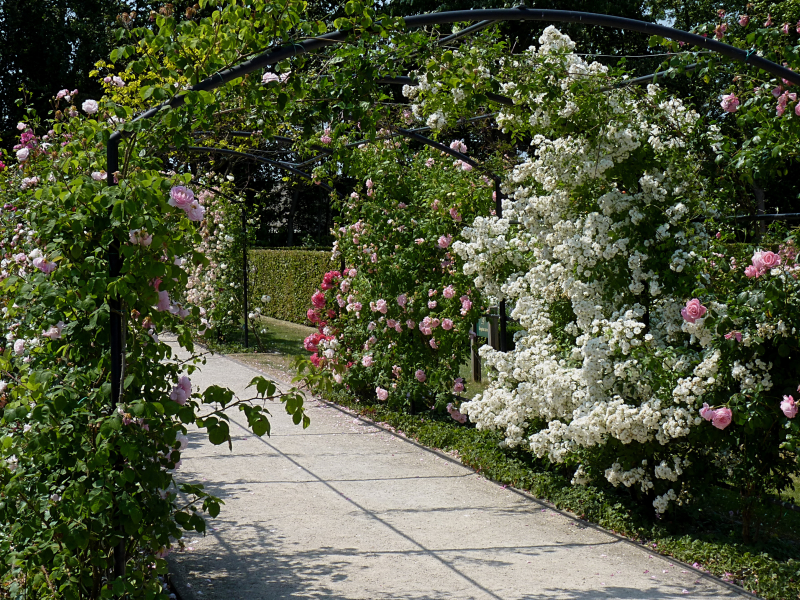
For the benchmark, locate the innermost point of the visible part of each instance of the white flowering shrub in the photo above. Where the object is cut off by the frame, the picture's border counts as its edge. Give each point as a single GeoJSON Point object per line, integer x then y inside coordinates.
{"type": "Point", "coordinates": [602, 251]}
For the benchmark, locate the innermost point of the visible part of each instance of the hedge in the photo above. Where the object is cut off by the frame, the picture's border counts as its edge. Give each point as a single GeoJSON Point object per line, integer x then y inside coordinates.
{"type": "Point", "coordinates": [289, 276]}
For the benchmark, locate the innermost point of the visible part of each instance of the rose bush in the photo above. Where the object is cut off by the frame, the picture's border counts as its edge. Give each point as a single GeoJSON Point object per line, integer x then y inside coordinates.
{"type": "Point", "coordinates": [77, 477]}
{"type": "Point", "coordinates": [617, 282]}
{"type": "Point", "coordinates": [394, 323]}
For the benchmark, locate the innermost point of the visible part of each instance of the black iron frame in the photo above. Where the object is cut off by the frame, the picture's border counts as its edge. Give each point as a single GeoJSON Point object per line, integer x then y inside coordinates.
{"type": "Point", "coordinates": [271, 57]}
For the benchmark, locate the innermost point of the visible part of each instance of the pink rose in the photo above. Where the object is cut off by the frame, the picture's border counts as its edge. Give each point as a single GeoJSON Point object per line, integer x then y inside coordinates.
{"type": "Point", "coordinates": [730, 103]}
{"type": "Point", "coordinates": [420, 375]}
{"type": "Point", "coordinates": [770, 260]}
{"type": "Point", "coordinates": [693, 310]}
{"type": "Point", "coordinates": [454, 215]}
{"type": "Point", "coordinates": [195, 212]}
{"type": "Point", "coordinates": [444, 241]}
{"type": "Point", "coordinates": [181, 392]}
{"type": "Point", "coordinates": [312, 315]}
{"type": "Point", "coordinates": [163, 301]}
{"type": "Point", "coordinates": [734, 334]}
{"type": "Point", "coordinates": [707, 412]}
{"type": "Point", "coordinates": [402, 300]}
{"type": "Point", "coordinates": [449, 292]}
{"type": "Point", "coordinates": [455, 414]}
{"type": "Point", "coordinates": [44, 265]}
{"type": "Point", "coordinates": [458, 385]}
{"type": "Point", "coordinates": [744, 20]}
{"type": "Point", "coordinates": [789, 407]}
{"type": "Point", "coordinates": [367, 361]}
{"type": "Point", "coordinates": [54, 332]}
{"type": "Point", "coordinates": [318, 299]}
{"type": "Point", "coordinates": [420, 241]}
{"type": "Point", "coordinates": [410, 324]}
{"type": "Point", "coordinates": [181, 197]}
{"type": "Point", "coordinates": [19, 347]}
{"type": "Point", "coordinates": [381, 306]}
{"type": "Point", "coordinates": [382, 393]}
{"type": "Point", "coordinates": [431, 304]}
{"type": "Point", "coordinates": [751, 271]}
{"type": "Point", "coordinates": [722, 418]}
{"type": "Point", "coordinates": [447, 324]}
{"type": "Point", "coordinates": [433, 344]}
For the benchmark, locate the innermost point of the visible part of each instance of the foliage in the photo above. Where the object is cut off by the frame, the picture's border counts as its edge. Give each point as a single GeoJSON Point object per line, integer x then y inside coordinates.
{"type": "Point", "coordinates": [600, 246]}
{"type": "Point", "coordinates": [754, 153]}
{"type": "Point", "coordinates": [395, 322]}
{"type": "Point", "coordinates": [77, 474]}
{"type": "Point", "coordinates": [288, 277]}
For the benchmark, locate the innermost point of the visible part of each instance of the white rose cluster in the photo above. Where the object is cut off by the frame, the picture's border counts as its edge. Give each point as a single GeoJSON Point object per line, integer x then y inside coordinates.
{"type": "Point", "coordinates": [580, 254]}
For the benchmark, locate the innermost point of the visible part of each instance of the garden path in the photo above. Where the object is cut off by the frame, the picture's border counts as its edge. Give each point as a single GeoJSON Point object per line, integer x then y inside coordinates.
{"type": "Point", "coordinates": [349, 510]}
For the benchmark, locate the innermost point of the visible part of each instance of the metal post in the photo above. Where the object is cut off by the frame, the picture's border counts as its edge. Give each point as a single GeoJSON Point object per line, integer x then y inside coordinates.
{"type": "Point", "coordinates": [115, 323]}
{"type": "Point", "coordinates": [244, 269]}
{"type": "Point", "coordinates": [498, 198]}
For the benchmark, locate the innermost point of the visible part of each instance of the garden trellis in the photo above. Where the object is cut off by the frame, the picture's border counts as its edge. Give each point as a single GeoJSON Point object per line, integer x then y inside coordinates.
{"type": "Point", "coordinates": [485, 17]}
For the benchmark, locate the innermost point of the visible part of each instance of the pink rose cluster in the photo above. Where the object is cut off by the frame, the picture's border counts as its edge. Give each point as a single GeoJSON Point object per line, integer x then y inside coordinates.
{"type": "Point", "coordinates": [789, 407]}
{"type": "Point", "coordinates": [182, 197]}
{"type": "Point", "coordinates": [181, 392]}
{"type": "Point", "coordinates": [783, 102]}
{"type": "Point", "coordinates": [455, 414]}
{"type": "Point", "coordinates": [762, 262]}
{"type": "Point", "coordinates": [466, 305]}
{"type": "Point", "coordinates": [719, 417]}
{"type": "Point", "coordinates": [693, 311]}
{"type": "Point", "coordinates": [329, 280]}
{"type": "Point", "coordinates": [139, 237]}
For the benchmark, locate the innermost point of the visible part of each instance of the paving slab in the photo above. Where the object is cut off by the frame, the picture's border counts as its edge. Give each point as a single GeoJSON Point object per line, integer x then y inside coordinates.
{"type": "Point", "coordinates": [349, 510]}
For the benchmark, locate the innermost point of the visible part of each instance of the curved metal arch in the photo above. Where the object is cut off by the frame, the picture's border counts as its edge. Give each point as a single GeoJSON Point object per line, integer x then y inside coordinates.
{"type": "Point", "coordinates": [310, 45]}
{"type": "Point", "coordinates": [274, 163]}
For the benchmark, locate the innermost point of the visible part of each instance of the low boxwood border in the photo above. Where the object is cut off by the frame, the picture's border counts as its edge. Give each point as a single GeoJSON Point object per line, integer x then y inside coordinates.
{"type": "Point", "coordinates": [769, 570]}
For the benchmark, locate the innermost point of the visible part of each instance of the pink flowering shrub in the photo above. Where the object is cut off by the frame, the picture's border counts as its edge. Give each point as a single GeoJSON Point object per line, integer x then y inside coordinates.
{"type": "Point", "coordinates": [398, 316]}
{"type": "Point", "coordinates": [77, 473]}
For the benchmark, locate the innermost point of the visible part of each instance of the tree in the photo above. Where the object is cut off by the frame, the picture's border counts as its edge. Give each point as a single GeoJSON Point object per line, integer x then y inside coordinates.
{"type": "Point", "coordinates": [47, 45]}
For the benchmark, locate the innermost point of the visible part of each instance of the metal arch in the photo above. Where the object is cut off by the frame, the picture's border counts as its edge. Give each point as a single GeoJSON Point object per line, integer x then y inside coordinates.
{"type": "Point", "coordinates": [309, 45]}
{"type": "Point", "coordinates": [280, 165]}
{"type": "Point", "coordinates": [499, 14]}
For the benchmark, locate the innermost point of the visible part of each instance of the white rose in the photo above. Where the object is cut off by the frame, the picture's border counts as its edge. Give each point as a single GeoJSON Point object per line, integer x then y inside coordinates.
{"type": "Point", "coordinates": [90, 107]}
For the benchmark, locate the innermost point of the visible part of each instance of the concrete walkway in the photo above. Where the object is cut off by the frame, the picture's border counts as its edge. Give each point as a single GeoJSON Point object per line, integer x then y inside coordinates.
{"type": "Point", "coordinates": [348, 510]}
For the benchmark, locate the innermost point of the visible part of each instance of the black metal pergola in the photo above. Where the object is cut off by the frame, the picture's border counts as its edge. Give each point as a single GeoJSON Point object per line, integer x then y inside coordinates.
{"type": "Point", "coordinates": [482, 18]}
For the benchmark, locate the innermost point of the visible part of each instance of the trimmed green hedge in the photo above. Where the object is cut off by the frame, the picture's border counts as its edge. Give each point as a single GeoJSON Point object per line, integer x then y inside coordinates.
{"type": "Point", "coordinates": [290, 276]}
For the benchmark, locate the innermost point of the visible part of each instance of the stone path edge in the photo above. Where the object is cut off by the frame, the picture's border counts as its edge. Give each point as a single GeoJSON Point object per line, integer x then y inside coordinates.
{"type": "Point", "coordinates": [178, 583]}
